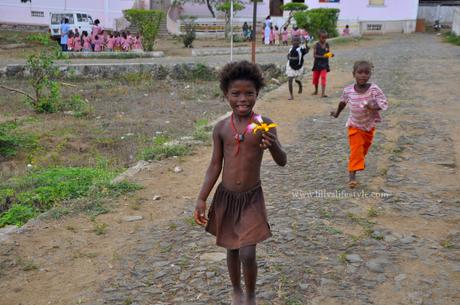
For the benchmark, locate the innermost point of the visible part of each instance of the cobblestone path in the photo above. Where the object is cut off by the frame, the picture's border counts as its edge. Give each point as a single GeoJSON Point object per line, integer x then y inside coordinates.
{"type": "Point", "coordinates": [401, 247]}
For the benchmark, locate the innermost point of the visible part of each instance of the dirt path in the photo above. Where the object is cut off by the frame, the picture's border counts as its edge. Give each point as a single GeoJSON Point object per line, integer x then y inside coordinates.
{"type": "Point", "coordinates": [401, 249]}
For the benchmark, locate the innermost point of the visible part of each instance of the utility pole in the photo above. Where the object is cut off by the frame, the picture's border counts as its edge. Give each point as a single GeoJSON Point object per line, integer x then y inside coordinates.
{"type": "Point", "coordinates": [254, 31]}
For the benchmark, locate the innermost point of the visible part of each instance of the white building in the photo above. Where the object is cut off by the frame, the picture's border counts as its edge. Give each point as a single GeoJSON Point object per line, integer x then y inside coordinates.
{"type": "Point", "coordinates": [37, 12]}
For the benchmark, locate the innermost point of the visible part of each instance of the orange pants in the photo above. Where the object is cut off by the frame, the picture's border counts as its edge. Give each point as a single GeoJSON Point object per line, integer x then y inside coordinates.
{"type": "Point", "coordinates": [360, 142]}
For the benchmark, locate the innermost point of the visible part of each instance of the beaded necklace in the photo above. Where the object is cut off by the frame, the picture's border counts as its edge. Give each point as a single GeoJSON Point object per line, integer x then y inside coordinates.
{"type": "Point", "coordinates": [239, 137]}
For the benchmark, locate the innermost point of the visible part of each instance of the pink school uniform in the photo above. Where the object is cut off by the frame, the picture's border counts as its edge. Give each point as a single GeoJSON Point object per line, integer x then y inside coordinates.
{"type": "Point", "coordinates": [137, 44]}
{"type": "Point", "coordinates": [276, 33]}
{"type": "Point", "coordinates": [125, 45]}
{"type": "Point", "coordinates": [110, 44]}
{"type": "Point", "coordinates": [272, 36]}
{"type": "Point", "coordinates": [77, 44]}
{"type": "Point", "coordinates": [98, 43]}
{"type": "Point", "coordinates": [87, 44]}
{"type": "Point", "coordinates": [285, 36]}
{"type": "Point", "coordinates": [295, 33]}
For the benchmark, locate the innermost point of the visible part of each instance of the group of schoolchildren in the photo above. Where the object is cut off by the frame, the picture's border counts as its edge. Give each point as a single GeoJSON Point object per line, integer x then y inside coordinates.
{"type": "Point", "coordinates": [277, 37]}
{"type": "Point", "coordinates": [99, 40]}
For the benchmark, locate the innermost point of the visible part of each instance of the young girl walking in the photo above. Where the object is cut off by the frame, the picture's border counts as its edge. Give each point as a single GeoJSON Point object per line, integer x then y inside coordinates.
{"type": "Point", "coordinates": [365, 100]}
{"type": "Point", "coordinates": [237, 216]}
{"type": "Point", "coordinates": [321, 55]}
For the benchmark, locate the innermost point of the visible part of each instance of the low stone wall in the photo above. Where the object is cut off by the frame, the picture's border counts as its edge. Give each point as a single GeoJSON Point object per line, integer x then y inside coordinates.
{"type": "Point", "coordinates": [23, 27]}
{"type": "Point", "coordinates": [121, 55]}
{"type": "Point", "coordinates": [239, 50]}
{"type": "Point", "coordinates": [156, 71]}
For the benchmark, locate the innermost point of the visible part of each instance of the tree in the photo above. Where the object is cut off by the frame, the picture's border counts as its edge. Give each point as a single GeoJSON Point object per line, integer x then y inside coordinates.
{"type": "Point", "coordinates": [292, 7]}
{"type": "Point", "coordinates": [225, 8]}
{"type": "Point", "coordinates": [148, 24]}
{"type": "Point", "coordinates": [211, 4]}
{"type": "Point", "coordinates": [318, 19]}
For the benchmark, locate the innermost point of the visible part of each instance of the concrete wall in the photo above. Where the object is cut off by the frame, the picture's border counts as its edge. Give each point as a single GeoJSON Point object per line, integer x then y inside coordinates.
{"type": "Point", "coordinates": [456, 21]}
{"type": "Point", "coordinates": [16, 12]}
{"type": "Point", "coordinates": [445, 14]}
{"type": "Point", "coordinates": [201, 10]}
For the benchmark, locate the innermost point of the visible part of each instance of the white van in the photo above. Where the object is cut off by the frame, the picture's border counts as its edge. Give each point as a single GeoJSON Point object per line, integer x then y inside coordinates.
{"type": "Point", "coordinates": [80, 21]}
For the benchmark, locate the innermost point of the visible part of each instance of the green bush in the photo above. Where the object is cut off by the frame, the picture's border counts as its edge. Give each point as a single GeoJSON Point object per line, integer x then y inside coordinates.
{"type": "Point", "coordinates": [80, 107]}
{"type": "Point", "coordinates": [43, 74]}
{"type": "Point", "coordinates": [148, 24]}
{"type": "Point", "coordinates": [18, 215]}
{"type": "Point", "coordinates": [41, 38]}
{"type": "Point", "coordinates": [318, 19]}
{"type": "Point", "coordinates": [452, 38]}
{"type": "Point", "coordinates": [189, 27]}
{"type": "Point", "coordinates": [42, 189]}
{"type": "Point", "coordinates": [11, 140]}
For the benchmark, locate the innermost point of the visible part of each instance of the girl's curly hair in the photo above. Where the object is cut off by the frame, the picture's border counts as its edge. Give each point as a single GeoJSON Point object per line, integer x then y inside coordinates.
{"type": "Point", "coordinates": [241, 70]}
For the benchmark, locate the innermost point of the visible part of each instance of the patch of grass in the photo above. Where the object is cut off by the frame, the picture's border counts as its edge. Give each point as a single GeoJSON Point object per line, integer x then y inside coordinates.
{"type": "Point", "coordinates": [172, 226]}
{"type": "Point", "coordinates": [135, 78]}
{"type": "Point", "coordinates": [373, 212]}
{"type": "Point", "coordinates": [447, 244]}
{"type": "Point", "coordinates": [42, 38]}
{"type": "Point", "coordinates": [342, 258]}
{"type": "Point", "coordinates": [100, 228]}
{"type": "Point", "coordinates": [26, 265]}
{"type": "Point", "coordinates": [43, 189]}
{"type": "Point", "coordinates": [71, 228]}
{"type": "Point", "coordinates": [161, 150]}
{"type": "Point", "coordinates": [325, 214]}
{"type": "Point", "coordinates": [12, 140]}
{"type": "Point", "coordinates": [450, 37]}
{"type": "Point", "coordinates": [18, 215]}
{"type": "Point", "coordinates": [79, 106]}
{"type": "Point", "coordinates": [200, 133]}
{"type": "Point", "coordinates": [293, 302]}
{"type": "Point", "coordinates": [333, 230]}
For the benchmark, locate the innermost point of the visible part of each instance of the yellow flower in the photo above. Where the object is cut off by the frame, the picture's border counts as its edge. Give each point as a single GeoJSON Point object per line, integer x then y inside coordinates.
{"type": "Point", "coordinates": [260, 125]}
{"type": "Point", "coordinates": [328, 55]}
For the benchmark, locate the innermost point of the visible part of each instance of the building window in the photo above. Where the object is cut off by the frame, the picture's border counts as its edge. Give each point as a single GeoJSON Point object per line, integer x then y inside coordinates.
{"type": "Point", "coordinates": [329, 1]}
{"type": "Point", "coordinates": [374, 27]}
{"type": "Point", "coordinates": [376, 2]}
{"type": "Point", "coordinates": [37, 14]}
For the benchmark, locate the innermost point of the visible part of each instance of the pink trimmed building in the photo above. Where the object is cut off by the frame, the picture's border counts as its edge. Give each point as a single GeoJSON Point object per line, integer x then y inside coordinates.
{"type": "Point", "coordinates": [363, 16]}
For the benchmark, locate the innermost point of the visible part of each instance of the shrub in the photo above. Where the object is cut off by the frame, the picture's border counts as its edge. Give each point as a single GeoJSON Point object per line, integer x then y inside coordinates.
{"type": "Point", "coordinates": [41, 38]}
{"type": "Point", "coordinates": [43, 73]}
{"type": "Point", "coordinates": [148, 24]}
{"type": "Point", "coordinates": [79, 106]}
{"type": "Point", "coordinates": [452, 38]}
{"type": "Point", "coordinates": [43, 189]}
{"type": "Point", "coordinates": [11, 140]}
{"type": "Point", "coordinates": [189, 28]}
{"type": "Point", "coordinates": [318, 19]}
{"type": "Point", "coordinates": [17, 215]}
{"type": "Point", "coordinates": [225, 8]}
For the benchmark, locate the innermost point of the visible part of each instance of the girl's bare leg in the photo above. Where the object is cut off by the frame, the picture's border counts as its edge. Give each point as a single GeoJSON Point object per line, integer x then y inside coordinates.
{"type": "Point", "coordinates": [234, 270]}
{"type": "Point", "coordinates": [248, 259]}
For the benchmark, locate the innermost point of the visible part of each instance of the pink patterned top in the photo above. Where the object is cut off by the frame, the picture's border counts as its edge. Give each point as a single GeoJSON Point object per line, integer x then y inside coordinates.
{"type": "Point", "coordinates": [110, 42]}
{"type": "Point", "coordinates": [360, 116]}
{"type": "Point", "coordinates": [77, 44]}
{"type": "Point", "coordinates": [285, 35]}
{"type": "Point", "coordinates": [98, 43]}
{"type": "Point", "coordinates": [125, 44]}
{"type": "Point", "coordinates": [87, 43]}
{"type": "Point", "coordinates": [137, 44]}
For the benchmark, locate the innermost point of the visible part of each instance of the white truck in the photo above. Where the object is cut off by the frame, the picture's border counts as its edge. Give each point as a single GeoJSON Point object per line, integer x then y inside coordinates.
{"type": "Point", "coordinates": [77, 20]}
